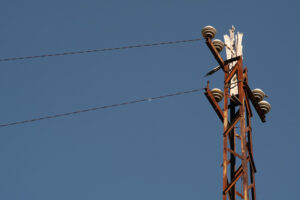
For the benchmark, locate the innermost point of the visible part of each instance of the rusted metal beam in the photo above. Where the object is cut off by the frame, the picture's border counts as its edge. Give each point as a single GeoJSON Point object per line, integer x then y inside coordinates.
{"type": "Point", "coordinates": [238, 174]}
{"type": "Point", "coordinates": [231, 60]}
{"type": "Point", "coordinates": [231, 126]}
{"type": "Point", "coordinates": [253, 190]}
{"type": "Point", "coordinates": [254, 102]}
{"type": "Point", "coordinates": [238, 170]}
{"type": "Point", "coordinates": [250, 186]}
{"type": "Point", "coordinates": [252, 163]}
{"type": "Point", "coordinates": [245, 72]}
{"type": "Point", "coordinates": [231, 195]}
{"type": "Point", "coordinates": [247, 129]}
{"type": "Point", "coordinates": [231, 136]}
{"type": "Point", "coordinates": [233, 71]}
{"type": "Point", "coordinates": [225, 139]}
{"type": "Point", "coordinates": [239, 194]}
{"type": "Point", "coordinates": [234, 153]}
{"type": "Point", "coordinates": [244, 149]}
{"type": "Point", "coordinates": [214, 103]}
{"type": "Point", "coordinates": [248, 107]}
{"type": "Point", "coordinates": [215, 52]}
{"type": "Point", "coordinates": [236, 100]}
{"type": "Point", "coordinates": [214, 70]}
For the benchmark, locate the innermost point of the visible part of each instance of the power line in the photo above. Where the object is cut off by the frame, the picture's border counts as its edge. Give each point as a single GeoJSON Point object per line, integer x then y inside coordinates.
{"type": "Point", "coordinates": [98, 50]}
{"type": "Point", "coordinates": [101, 107]}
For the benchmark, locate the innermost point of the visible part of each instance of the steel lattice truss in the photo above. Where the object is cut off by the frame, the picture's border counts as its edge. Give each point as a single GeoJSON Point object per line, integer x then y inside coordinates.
{"type": "Point", "coordinates": [238, 163]}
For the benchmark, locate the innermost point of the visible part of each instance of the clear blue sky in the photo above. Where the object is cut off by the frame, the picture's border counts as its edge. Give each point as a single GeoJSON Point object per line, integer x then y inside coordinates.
{"type": "Point", "coordinates": [168, 149]}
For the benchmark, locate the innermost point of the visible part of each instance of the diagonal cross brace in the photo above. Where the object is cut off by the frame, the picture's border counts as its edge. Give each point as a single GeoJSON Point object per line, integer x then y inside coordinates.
{"type": "Point", "coordinates": [231, 126]}
{"type": "Point", "coordinates": [238, 174]}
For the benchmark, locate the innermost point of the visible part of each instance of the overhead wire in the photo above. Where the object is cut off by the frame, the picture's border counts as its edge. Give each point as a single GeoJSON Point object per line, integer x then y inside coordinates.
{"type": "Point", "coordinates": [99, 50]}
{"type": "Point", "coordinates": [94, 51]}
{"type": "Point", "coordinates": [101, 107]}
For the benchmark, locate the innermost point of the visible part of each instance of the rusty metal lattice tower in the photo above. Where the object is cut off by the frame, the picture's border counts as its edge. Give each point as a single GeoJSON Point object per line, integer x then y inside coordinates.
{"type": "Point", "coordinates": [238, 163]}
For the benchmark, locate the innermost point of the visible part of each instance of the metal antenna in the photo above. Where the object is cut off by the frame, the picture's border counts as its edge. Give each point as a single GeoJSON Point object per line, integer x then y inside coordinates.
{"type": "Point", "coordinates": [238, 163]}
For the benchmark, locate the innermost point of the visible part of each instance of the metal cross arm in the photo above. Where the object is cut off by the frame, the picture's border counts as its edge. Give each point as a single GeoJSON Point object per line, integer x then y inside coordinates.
{"type": "Point", "coordinates": [254, 102]}
{"type": "Point", "coordinates": [217, 55]}
{"type": "Point", "coordinates": [215, 52]}
{"type": "Point", "coordinates": [213, 102]}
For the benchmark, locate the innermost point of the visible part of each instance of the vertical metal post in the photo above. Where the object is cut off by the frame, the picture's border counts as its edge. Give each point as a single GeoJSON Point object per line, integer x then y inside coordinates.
{"type": "Point", "coordinates": [242, 130]}
{"type": "Point", "coordinates": [232, 147]}
{"type": "Point", "coordinates": [225, 124]}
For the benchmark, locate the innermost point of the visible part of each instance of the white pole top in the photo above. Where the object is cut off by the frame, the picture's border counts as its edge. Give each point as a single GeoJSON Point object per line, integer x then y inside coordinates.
{"type": "Point", "coordinates": [234, 48]}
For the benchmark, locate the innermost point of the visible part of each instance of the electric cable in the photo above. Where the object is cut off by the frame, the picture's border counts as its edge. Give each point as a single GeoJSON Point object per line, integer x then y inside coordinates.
{"type": "Point", "coordinates": [98, 50]}
{"type": "Point", "coordinates": [101, 107]}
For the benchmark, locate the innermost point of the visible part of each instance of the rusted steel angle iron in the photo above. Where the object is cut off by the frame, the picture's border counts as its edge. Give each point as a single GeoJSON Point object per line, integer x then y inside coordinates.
{"type": "Point", "coordinates": [254, 102]}
{"type": "Point", "coordinates": [233, 71]}
{"type": "Point", "coordinates": [252, 163]}
{"type": "Point", "coordinates": [214, 104]}
{"type": "Point", "coordinates": [232, 60]}
{"type": "Point", "coordinates": [250, 186]}
{"type": "Point", "coordinates": [215, 52]}
{"type": "Point", "coordinates": [217, 56]}
{"type": "Point", "coordinates": [231, 195]}
{"type": "Point", "coordinates": [248, 107]}
{"type": "Point", "coordinates": [238, 174]}
{"type": "Point", "coordinates": [231, 126]}
{"type": "Point", "coordinates": [234, 153]}
{"type": "Point", "coordinates": [239, 194]}
{"type": "Point", "coordinates": [235, 100]}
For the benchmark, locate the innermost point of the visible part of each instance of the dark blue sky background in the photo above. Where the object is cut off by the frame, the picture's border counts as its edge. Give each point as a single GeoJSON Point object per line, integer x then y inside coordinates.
{"type": "Point", "coordinates": [168, 149]}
